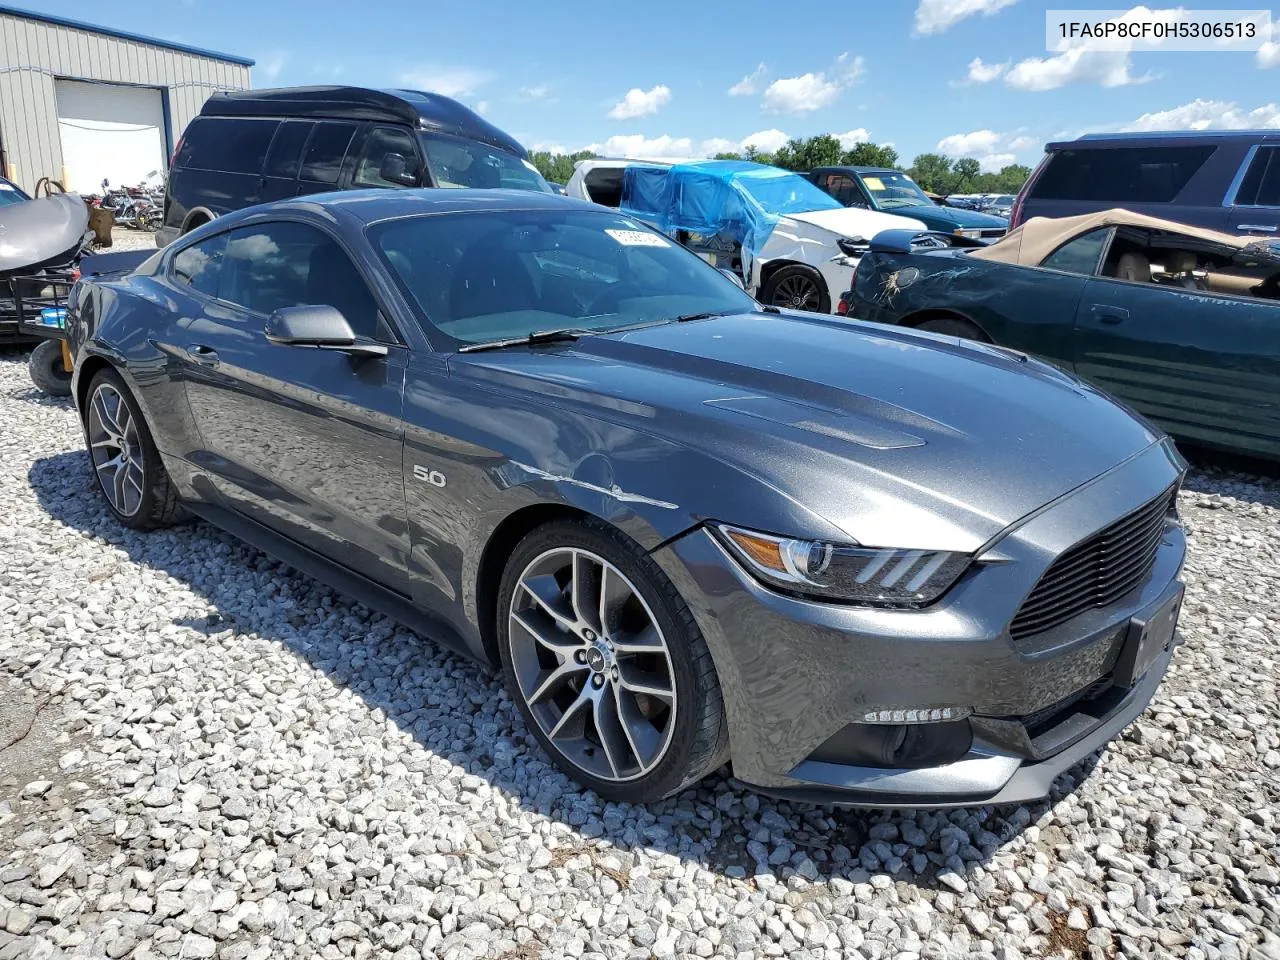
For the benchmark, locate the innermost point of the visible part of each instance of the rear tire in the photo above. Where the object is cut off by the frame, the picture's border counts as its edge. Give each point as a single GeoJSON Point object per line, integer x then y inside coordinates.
{"type": "Point", "coordinates": [954, 327]}
{"type": "Point", "coordinates": [124, 458]}
{"type": "Point", "coordinates": [585, 673]}
{"type": "Point", "coordinates": [45, 367]}
{"type": "Point", "coordinates": [797, 287]}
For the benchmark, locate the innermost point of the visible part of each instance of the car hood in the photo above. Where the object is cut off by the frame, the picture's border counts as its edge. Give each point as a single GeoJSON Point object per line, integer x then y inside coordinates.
{"type": "Point", "coordinates": [896, 438]}
{"type": "Point", "coordinates": [963, 218]}
{"type": "Point", "coordinates": [856, 222]}
{"type": "Point", "coordinates": [37, 233]}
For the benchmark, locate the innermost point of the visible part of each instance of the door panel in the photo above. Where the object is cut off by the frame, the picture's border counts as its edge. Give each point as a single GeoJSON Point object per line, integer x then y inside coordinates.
{"type": "Point", "coordinates": [1206, 368]}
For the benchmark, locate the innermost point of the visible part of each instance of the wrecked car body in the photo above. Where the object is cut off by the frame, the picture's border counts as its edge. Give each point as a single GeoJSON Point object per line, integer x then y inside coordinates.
{"type": "Point", "coordinates": [789, 243]}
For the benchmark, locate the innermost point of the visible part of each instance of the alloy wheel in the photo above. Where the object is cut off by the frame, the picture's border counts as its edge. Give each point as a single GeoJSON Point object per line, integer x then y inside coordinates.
{"type": "Point", "coordinates": [797, 292]}
{"type": "Point", "coordinates": [116, 450]}
{"type": "Point", "coordinates": [592, 664]}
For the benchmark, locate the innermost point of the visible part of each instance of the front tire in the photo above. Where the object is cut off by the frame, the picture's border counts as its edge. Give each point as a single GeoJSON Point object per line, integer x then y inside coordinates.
{"type": "Point", "coordinates": [124, 457]}
{"type": "Point", "coordinates": [47, 371]}
{"type": "Point", "coordinates": [607, 664]}
{"type": "Point", "coordinates": [797, 287]}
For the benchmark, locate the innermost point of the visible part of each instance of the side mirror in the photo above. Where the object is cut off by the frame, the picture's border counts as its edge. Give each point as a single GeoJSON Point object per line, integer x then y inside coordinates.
{"type": "Point", "coordinates": [733, 276]}
{"type": "Point", "coordinates": [395, 169]}
{"type": "Point", "coordinates": [320, 327]}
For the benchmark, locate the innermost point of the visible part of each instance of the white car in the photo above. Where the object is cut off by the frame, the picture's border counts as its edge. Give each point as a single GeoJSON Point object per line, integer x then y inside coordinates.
{"type": "Point", "coordinates": [789, 243]}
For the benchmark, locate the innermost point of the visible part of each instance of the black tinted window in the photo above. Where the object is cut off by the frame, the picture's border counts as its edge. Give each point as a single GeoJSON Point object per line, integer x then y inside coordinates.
{"type": "Point", "coordinates": [199, 265]}
{"type": "Point", "coordinates": [286, 149]}
{"type": "Point", "coordinates": [1261, 185]}
{"type": "Point", "coordinates": [322, 162]}
{"type": "Point", "coordinates": [226, 145]}
{"type": "Point", "coordinates": [292, 265]}
{"type": "Point", "coordinates": [1120, 174]}
{"type": "Point", "coordinates": [384, 142]}
{"type": "Point", "coordinates": [1079, 255]}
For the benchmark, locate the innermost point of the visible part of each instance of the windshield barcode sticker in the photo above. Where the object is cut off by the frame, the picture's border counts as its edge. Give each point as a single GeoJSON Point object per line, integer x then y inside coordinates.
{"type": "Point", "coordinates": [637, 238]}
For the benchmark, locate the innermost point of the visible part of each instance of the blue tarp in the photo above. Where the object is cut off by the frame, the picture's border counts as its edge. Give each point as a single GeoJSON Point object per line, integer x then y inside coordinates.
{"type": "Point", "coordinates": [736, 199]}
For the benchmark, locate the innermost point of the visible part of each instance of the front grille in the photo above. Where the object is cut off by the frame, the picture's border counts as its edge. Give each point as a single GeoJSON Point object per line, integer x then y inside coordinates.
{"type": "Point", "coordinates": [993, 232]}
{"type": "Point", "coordinates": [1097, 571]}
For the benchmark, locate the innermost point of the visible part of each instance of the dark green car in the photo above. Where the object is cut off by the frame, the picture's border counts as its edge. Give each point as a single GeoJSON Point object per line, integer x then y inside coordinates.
{"type": "Point", "coordinates": [892, 191]}
{"type": "Point", "coordinates": [1180, 322]}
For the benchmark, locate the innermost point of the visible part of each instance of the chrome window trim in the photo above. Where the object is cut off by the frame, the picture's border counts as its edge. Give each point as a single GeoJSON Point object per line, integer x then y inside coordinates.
{"type": "Point", "coordinates": [1230, 199]}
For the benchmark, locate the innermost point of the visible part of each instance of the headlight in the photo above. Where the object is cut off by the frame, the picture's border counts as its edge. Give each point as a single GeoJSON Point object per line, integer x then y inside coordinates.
{"type": "Point", "coordinates": [867, 575]}
{"type": "Point", "coordinates": [853, 246]}
{"type": "Point", "coordinates": [971, 234]}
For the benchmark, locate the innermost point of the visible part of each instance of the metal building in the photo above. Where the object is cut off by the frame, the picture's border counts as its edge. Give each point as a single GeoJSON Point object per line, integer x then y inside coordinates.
{"type": "Point", "coordinates": [80, 103]}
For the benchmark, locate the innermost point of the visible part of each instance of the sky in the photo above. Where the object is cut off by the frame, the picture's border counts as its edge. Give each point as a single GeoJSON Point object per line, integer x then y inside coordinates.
{"type": "Point", "coordinates": [680, 78]}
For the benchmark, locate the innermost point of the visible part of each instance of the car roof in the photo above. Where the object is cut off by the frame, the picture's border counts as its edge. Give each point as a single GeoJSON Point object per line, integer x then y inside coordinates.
{"type": "Point", "coordinates": [367, 206]}
{"type": "Point", "coordinates": [1157, 138]}
{"type": "Point", "coordinates": [417, 108]}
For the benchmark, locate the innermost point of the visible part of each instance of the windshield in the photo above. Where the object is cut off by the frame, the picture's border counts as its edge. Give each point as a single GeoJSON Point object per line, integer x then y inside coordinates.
{"type": "Point", "coordinates": [892, 190]}
{"type": "Point", "coordinates": [787, 194]}
{"type": "Point", "coordinates": [455, 162]}
{"type": "Point", "coordinates": [10, 194]}
{"type": "Point", "coordinates": [484, 276]}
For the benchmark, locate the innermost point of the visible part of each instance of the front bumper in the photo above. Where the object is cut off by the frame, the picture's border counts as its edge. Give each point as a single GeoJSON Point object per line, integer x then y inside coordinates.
{"type": "Point", "coordinates": [795, 673]}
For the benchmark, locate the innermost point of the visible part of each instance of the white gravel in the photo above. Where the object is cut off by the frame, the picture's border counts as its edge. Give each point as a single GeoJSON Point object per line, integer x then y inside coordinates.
{"type": "Point", "coordinates": [217, 757]}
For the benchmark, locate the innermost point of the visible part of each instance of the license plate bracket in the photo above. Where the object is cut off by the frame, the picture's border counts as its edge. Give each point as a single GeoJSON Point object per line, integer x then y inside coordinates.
{"type": "Point", "coordinates": [1147, 639]}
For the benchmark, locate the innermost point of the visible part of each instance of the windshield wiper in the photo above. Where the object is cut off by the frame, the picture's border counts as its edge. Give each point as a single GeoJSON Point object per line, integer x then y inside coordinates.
{"type": "Point", "coordinates": [564, 335]}
{"type": "Point", "coordinates": [707, 315]}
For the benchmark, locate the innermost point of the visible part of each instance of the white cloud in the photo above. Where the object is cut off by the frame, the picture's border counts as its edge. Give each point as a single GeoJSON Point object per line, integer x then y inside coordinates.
{"type": "Point", "coordinates": [813, 91]}
{"type": "Point", "coordinates": [748, 84]}
{"type": "Point", "coordinates": [854, 137]}
{"type": "Point", "coordinates": [1208, 115]}
{"type": "Point", "coordinates": [540, 92]}
{"type": "Point", "coordinates": [639, 103]}
{"type": "Point", "coordinates": [271, 65]}
{"type": "Point", "coordinates": [446, 81]}
{"type": "Point", "coordinates": [720, 145]}
{"type": "Point", "coordinates": [638, 145]}
{"type": "Point", "coordinates": [1077, 62]}
{"type": "Point", "coordinates": [1268, 55]}
{"type": "Point", "coordinates": [766, 141]}
{"type": "Point", "coordinates": [482, 107]}
{"type": "Point", "coordinates": [969, 144]}
{"type": "Point", "coordinates": [1022, 143]}
{"type": "Point", "coordinates": [936, 16]}
{"type": "Point", "coordinates": [980, 72]}
{"type": "Point", "coordinates": [995, 162]}
{"type": "Point", "coordinates": [552, 148]}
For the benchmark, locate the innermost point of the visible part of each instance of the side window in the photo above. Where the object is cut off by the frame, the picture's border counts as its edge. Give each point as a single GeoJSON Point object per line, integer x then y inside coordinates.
{"type": "Point", "coordinates": [227, 145]}
{"type": "Point", "coordinates": [285, 264]}
{"type": "Point", "coordinates": [843, 188]}
{"type": "Point", "coordinates": [1261, 185]}
{"type": "Point", "coordinates": [1120, 174]}
{"type": "Point", "coordinates": [1080, 255]}
{"type": "Point", "coordinates": [199, 265]}
{"type": "Point", "coordinates": [322, 161]}
{"type": "Point", "coordinates": [384, 142]}
{"type": "Point", "coordinates": [286, 149]}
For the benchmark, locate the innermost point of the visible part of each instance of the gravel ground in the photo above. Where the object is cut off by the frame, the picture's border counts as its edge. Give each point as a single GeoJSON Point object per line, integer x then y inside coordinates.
{"type": "Point", "coordinates": [122, 238]}
{"type": "Point", "coordinates": [217, 757]}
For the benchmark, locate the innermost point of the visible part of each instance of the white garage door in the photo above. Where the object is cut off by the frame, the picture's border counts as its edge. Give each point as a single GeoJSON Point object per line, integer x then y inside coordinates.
{"type": "Point", "coordinates": [110, 132]}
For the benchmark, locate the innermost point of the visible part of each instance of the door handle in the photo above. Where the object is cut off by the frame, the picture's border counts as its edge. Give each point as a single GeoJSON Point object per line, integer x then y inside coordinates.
{"type": "Point", "coordinates": [1260, 227]}
{"type": "Point", "coordinates": [1107, 314]}
{"type": "Point", "coordinates": [205, 356]}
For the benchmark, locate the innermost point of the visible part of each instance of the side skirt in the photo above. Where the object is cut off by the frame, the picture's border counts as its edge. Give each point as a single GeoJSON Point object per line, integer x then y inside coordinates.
{"type": "Point", "coordinates": [344, 580]}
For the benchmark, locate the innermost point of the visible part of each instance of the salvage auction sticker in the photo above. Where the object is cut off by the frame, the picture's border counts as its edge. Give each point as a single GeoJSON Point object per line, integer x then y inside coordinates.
{"type": "Point", "coordinates": [637, 238]}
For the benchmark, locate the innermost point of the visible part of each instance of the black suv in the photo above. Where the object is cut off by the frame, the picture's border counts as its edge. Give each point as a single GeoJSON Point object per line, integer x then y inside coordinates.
{"type": "Point", "coordinates": [261, 145]}
{"type": "Point", "coordinates": [1223, 180]}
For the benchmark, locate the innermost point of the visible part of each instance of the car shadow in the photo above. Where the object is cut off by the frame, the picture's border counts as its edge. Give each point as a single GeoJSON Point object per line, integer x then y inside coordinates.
{"type": "Point", "coordinates": [721, 824]}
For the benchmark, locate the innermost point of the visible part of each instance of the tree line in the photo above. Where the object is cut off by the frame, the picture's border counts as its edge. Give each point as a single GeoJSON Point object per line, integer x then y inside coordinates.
{"type": "Point", "coordinates": [933, 171]}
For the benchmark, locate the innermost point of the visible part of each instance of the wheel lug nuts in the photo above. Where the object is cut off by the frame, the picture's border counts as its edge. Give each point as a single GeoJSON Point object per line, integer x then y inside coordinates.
{"type": "Point", "coordinates": [588, 636]}
{"type": "Point", "coordinates": [597, 681]}
{"type": "Point", "coordinates": [580, 656]}
{"type": "Point", "coordinates": [614, 673]}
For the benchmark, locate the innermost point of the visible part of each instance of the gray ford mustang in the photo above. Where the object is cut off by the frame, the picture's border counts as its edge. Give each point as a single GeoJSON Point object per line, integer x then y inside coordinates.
{"type": "Point", "coordinates": [864, 565]}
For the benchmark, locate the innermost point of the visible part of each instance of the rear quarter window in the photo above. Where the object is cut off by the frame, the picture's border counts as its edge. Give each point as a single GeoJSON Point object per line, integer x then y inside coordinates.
{"type": "Point", "coordinates": [228, 145]}
{"type": "Point", "coordinates": [1121, 174]}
